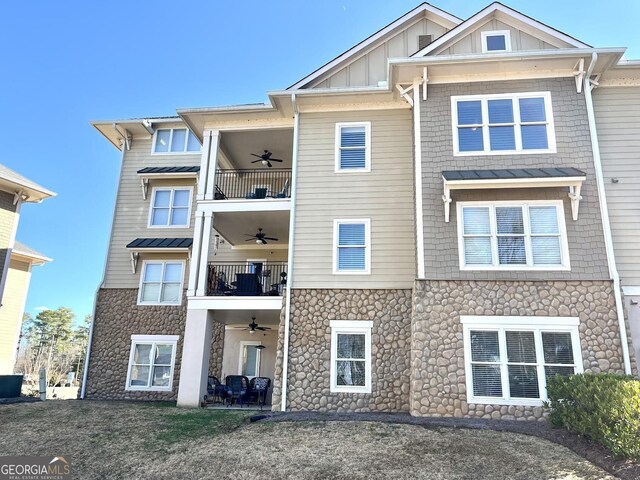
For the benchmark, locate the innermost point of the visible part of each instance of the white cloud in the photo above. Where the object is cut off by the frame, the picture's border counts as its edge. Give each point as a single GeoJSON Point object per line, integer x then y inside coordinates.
{"type": "Point", "coordinates": [41, 309]}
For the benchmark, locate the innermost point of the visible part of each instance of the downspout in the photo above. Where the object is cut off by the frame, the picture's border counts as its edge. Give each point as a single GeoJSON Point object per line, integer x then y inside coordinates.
{"type": "Point", "coordinates": [292, 224]}
{"type": "Point", "coordinates": [85, 373]}
{"type": "Point", "coordinates": [417, 158]}
{"type": "Point", "coordinates": [604, 212]}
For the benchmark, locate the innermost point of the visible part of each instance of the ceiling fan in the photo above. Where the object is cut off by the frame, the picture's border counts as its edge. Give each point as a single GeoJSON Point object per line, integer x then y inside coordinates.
{"type": "Point", "coordinates": [266, 159]}
{"type": "Point", "coordinates": [260, 237]}
{"type": "Point", "coordinates": [253, 326]}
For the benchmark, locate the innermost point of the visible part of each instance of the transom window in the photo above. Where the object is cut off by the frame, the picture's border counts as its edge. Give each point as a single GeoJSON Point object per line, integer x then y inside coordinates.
{"type": "Point", "coordinates": [352, 246]}
{"type": "Point", "coordinates": [502, 124]}
{"type": "Point", "coordinates": [351, 356]}
{"type": "Point", "coordinates": [496, 41]}
{"type": "Point", "coordinates": [175, 140]}
{"type": "Point", "coordinates": [171, 207]}
{"type": "Point", "coordinates": [161, 283]}
{"type": "Point", "coordinates": [509, 359]}
{"type": "Point", "coordinates": [512, 236]}
{"type": "Point", "coordinates": [151, 362]}
{"type": "Point", "coordinates": [353, 147]}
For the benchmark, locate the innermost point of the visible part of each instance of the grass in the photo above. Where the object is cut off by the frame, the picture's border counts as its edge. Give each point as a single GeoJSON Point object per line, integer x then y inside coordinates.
{"type": "Point", "coordinates": [136, 440]}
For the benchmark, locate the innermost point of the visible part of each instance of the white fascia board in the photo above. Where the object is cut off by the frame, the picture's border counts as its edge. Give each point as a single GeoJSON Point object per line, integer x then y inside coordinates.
{"type": "Point", "coordinates": [476, 20]}
{"type": "Point", "coordinates": [234, 303]}
{"type": "Point", "coordinates": [30, 257]}
{"type": "Point", "coordinates": [419, 10]}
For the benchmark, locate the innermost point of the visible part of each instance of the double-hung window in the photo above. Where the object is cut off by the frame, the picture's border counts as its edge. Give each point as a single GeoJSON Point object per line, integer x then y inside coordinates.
{"type": "Point", "coordinates": [509, 359]}
{"type": "Point", "coordinates": [351, 356]}
{"type": "Point", "coordinates": [352, 250]}
{"type": "Point", "coordinates": [161, 283]}
{"type": "Point", "coordinates": [503, 124]}
{"type": "Point", "coordinates": [171, 207]}
{"type": "Point", "coordinates": [151, 362]}
{"type": "Point", "coordinates": [512, 236]}
{"type": "Point", "coordinates": [175, 140]}
{"type": "Point", "coordinates": [353, 147]}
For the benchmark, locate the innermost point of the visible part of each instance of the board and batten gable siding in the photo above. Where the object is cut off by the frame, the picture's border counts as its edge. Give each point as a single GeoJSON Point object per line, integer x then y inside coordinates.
{"type": "Point", "coordinates": [585, 236]}
{"type": "Point", "coordinates": [617, 112]}
{"type": "Point", "coordinates": [371, 67]}
{"type": "Point", "coordinates": [385, 195]}
{"type": "Point", "coordinates": [520, 41]}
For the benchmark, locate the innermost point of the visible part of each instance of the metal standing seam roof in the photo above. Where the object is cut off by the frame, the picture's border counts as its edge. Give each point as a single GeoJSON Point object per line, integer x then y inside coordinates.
{"type": "Point", "coordinates": [169, 170]}
{"type": "Point", "coordinates": [512, 173]}
{"type": "Point", "coordinates": [161, 243]}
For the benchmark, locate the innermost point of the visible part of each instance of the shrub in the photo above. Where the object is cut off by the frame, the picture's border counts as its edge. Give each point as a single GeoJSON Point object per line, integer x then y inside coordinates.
{"type": "Point", "coordinates": [603, 407]}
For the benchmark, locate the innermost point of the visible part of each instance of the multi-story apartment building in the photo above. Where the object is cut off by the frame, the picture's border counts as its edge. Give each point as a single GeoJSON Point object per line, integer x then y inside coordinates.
{"type": "Point", "coordinates": [420, 224]}
{"type": "Point", "coordinates": [16, 260]}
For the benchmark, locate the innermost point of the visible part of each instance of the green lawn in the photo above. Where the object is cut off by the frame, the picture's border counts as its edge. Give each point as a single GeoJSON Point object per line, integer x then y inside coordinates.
{"type": "Point", "coordinates": [135, 440]}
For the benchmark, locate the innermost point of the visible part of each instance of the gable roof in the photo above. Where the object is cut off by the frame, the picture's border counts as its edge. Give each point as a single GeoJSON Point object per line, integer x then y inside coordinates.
{"type": "Point", "coordinates": [378, 36]}
{"type": "Point", "coordinates": [29, 253]}
{"type": "Point", "coordinates": [496, 7]}
{"type": "Point", "coordinates": [13, 182]}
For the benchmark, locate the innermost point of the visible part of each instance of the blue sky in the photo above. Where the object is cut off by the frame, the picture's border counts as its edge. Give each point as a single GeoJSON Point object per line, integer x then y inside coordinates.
{"type": "Point", "coordinates": [66, 63]}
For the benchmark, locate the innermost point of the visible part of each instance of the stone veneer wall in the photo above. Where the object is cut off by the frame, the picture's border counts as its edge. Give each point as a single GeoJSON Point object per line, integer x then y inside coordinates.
{"type": "Point", "coordinates": [310, 350]}
{"type": "Point", "coordinates": [217, 349]}
{"type": "Point", "coordinates": [437, 352]}
{"type": "Point", "coordinates": [117, 318]}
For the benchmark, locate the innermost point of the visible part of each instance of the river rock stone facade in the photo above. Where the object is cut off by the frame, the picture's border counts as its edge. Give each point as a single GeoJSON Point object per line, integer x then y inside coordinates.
{"type": "Point", "coordinates": [118, 316]}
{"type": "Point", "coordinates": [310, 350]}
{"type": "Point", "coordinates": [438, 370]}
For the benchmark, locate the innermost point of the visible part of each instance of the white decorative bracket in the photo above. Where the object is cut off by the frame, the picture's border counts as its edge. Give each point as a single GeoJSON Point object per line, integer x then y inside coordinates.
{"type": "Point", "coordinates": [446, 198]}
{"type": "Point", "coordinates": [126, 137]}
{"type": "Point", "coordinates": [574, 195]}
{"type": "Point", "coordinates": [578, 72]}
{"type": "Point", "coordinates": [145, 187]}
{"type": "Point", "coordinates": [19, 195]}
{"type": "Point", "coordinates": [404, 92]}
{"type": "Point", "coordinates": [146, 123]}
{"type": "Point", "coordinates": [134, 261]}
{"type": "Point", "coordinates": [593, 82]}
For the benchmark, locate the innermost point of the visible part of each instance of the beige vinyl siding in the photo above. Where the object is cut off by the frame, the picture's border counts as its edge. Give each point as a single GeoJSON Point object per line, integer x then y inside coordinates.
{"type": "Point", "coordinates": [15, 294]}
{"type": "Point", "coordinates": [371, 68]}
{"type": "Point", "coordinates": [7, 219]}
{"type": "Point", "coordinates": [132, 212]}
{"type": "Point", "coordinates": [520, 40]}
{"type": "Point", "coordinates": [617, 111]}
{"type": "Point", "coordinates": [385, 195]}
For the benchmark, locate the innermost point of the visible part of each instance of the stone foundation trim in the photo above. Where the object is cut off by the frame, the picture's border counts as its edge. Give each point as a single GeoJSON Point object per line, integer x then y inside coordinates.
{"type": "Point", "coordinates": [502, 325]}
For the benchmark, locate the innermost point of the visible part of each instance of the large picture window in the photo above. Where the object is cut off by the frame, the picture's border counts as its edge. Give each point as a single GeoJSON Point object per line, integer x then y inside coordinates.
{"type": "Point", "coordinates": [503, 124]}
{"type": "Point", "coordinates": [509, 359]}
{"type": "Point", "coordinates": [512, 236]}
{"type": "Point", "coordinates": [174, 140]}
{"type": "Point", "coordinates": [151, 362]}
{"type": "Point", "coordinates": [351, 356]}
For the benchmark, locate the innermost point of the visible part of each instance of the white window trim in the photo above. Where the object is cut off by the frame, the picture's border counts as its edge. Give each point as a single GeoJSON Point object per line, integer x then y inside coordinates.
{"type": "Point", "coordinates": [367, 251]}
{"type": "Point", "coordinates": [509, 323]}
{"type": "Point", "coordinates": [186, 142]}
{"type": "Point", "coordinates": [367, 133]}
{"type": "Point", "coordinates": [152, 339]}
{"type": "Point", "coordinates": [358, 327]}
{"type": "Point", "coordinates": [249, 343]}
{"type": "Point", "coordinates": [172, 190]}
{"type": "Point", "coordinates": [163, 262]}
{"type": "Point", "coordinates": [551, 130]}
{"type": "Point", "coordinates": [495, 33]}
{"type": "Point", "coordinates": [562, 228]}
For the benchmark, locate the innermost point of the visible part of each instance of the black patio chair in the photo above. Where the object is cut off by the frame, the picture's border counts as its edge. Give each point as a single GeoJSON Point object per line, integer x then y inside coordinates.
{"type": "Point", "coordinates": [248, 284]}
{"type": "Point", "coordinates": [238, 389]}
{"type": "Point", "coordinates": [258, 389]}
{"type": "Point", "coordinates": [216, 392]}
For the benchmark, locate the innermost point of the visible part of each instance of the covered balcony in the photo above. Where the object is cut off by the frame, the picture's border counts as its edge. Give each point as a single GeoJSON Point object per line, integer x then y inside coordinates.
{"type": "Point", "coordinates": [251, 278]}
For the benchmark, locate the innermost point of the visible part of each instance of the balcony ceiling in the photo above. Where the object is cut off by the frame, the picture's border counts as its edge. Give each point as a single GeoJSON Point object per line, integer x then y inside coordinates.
{"type": "Point", "coordinates": [233, 225]}
{"type": "Point", "coordinates": [266, 318]}
{"type": "Point", "coordinates": [238, 147]}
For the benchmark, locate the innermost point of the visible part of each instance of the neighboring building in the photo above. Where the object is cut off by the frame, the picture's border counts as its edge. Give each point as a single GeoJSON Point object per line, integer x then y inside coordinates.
{"type": "Point", "coordinates": [436, 233]}
{"type": "Point", "coordinates": [16, 260]}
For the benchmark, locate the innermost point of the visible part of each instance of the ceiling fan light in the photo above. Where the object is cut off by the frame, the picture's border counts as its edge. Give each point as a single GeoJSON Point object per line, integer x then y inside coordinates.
{"type": "Point", "coordinates": [252, 332]}
{"type": "Point", "coordinates": [265, 163]}
{"type": "Point", "coordinates": [258, 241]}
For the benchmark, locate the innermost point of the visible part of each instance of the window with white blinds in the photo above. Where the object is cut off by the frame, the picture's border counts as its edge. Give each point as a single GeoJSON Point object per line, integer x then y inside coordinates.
{"type": "Point", "coordinates": [504, 123]}
{"type": "Point", "coordinates": [510, 361]}
{"type": "Point", "coordinates": [352, 246]}
{"type": "Point", "coordinates": [512, 236]}
{"type": "Point", "coordinates": [353, 147]}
